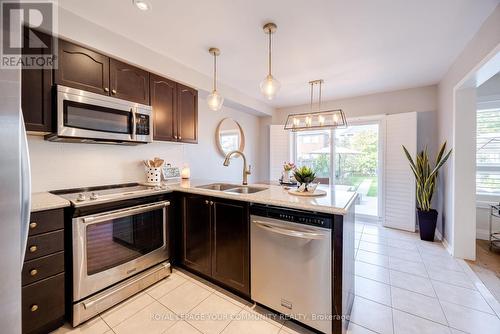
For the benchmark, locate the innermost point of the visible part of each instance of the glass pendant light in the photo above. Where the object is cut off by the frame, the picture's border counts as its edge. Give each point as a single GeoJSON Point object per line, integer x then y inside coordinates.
{"type": "Point", "coordinates": [214, 99]}
{"type": "Point", "coordinates": [270, 86]}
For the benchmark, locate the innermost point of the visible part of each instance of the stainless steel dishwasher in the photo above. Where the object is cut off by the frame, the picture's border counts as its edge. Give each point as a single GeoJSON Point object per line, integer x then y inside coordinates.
{"type": "Point", "coordinates": [291, 264]}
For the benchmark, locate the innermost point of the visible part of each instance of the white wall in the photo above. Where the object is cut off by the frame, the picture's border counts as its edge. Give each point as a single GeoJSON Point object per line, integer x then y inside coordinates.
{"type": "Point", "coordinates": [204, 158]}
{"type": "Point", "coordinates": [399, 101]}
{"type": "Point", "coordinates": [486, 40]}
{"type": "Point", "coordinates": [68, 165]}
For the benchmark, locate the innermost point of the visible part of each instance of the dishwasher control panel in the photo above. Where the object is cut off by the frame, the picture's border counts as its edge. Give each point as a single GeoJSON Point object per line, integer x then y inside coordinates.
{"type": "Point", "coordinates": [293, 216]}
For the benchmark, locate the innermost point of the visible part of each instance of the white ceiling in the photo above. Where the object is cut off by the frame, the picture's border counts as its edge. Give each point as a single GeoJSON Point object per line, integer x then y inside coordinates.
{"type": "Point", "coordinates": [358, 47]}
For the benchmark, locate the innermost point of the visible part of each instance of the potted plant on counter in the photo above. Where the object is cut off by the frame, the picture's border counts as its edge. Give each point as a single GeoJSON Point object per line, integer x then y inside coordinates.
{"type": "Point", "coordinates": [304, 176]}
{"type": "Point", "coordinates": [426, 177]}
{"type": "Point", "coordinates": [285, 175]}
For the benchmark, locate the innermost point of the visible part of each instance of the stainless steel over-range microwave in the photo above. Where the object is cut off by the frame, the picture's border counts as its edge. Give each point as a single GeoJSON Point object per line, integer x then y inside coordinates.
{"type": "Point", "coordinates": [88, 117]}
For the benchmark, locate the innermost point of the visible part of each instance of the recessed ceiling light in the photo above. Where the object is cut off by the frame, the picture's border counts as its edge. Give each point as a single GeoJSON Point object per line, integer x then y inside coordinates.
{"type": "Point", "coordinates": [142, 5]}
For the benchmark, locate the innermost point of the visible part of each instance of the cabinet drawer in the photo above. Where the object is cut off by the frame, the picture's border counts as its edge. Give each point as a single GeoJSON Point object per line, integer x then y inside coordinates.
{"type": "Point", "coordinates": [46, 221]}
{"type": "Point", "coordinates": [42, 303]}
{"type": "Point", "coordinates": [43, 267]}
{"type": "Point", "coordinates": [44, 244]}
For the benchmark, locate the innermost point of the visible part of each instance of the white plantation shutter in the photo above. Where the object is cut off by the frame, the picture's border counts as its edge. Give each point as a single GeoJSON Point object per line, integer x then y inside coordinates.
{"type": "Point", "coordinates": [279, 150]}
{"type": "Point", "coordinates": [400, 192]}
{"type": "Point", "coordinates": [488, 148]}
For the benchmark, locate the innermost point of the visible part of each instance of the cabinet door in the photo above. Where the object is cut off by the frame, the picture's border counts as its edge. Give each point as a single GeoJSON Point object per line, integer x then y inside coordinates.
{"type": "Point", "coordinates": [36, 85]}
{"type": "Point", "coordinates": [196, 250]}
{"type": "Point", "coordinates": [129, 82]}
{"type": "Point", "coordinates": [163, 99]}
{"type": "Point", "coordinates": [82, 68]}
{"type": "Point", "coordinates": [43, 305]}
{"type": "Point", "coordinates": [231, 245]}
{"type": "Point", "coordinates": [187, 114]}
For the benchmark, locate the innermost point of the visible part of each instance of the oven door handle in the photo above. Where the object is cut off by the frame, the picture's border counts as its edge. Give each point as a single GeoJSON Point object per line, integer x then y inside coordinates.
{"type": "Point", "coordinates": [124, 212]}
{"type": "Point", "coordinates": [289, 232]}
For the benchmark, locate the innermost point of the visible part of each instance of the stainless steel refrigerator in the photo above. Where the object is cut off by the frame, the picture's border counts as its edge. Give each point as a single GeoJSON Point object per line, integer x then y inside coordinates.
{"type": "Point", "coordinates": [15, 197]}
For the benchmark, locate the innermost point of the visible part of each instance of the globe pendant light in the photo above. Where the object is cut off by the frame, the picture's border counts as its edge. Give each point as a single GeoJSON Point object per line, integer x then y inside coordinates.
{"type": "Point", "coordinates": [270, 86]}
{"type": "Point", "coordinates": [214, 99]}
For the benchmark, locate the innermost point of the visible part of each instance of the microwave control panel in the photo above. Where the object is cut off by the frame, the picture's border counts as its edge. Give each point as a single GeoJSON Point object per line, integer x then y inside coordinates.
{"type": "Point", "coordinates": [142, 124]}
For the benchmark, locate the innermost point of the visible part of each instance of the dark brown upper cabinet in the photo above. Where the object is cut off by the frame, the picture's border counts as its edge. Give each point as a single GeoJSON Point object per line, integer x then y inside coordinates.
{"type": "Point", "coordinates": [215, 240]}
{"type": "Point", "coordinates": [175, 109]}
{"type": "Point", "coordinates": [175, 106]}
{"type": "Point", "coordinates": [128, 82]}
{"type": "Point", "coordinates": [36, 85]}
{"type": "Point", "coordinates": [163, 101]}
{"type": "Point", "coordinates": [82, 68]}
{"type": "Point", "coordinates": [187, 114]}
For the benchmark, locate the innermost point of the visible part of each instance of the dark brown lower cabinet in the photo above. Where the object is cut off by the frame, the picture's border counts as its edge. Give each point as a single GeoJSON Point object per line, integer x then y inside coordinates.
{"type": "Point", "coordinates": [43, 305]}
{"type": "Point", "coordinates": [43, 291]}
{"type": "Point", "coordinates": [230, 244]}
{"type": "Point", "coordinates": [215, 240]}
{"type": "Point", "coordinates": [196, 230]}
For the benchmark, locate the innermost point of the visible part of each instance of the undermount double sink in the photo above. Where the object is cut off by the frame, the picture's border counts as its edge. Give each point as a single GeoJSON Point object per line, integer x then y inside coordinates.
{"type": "Point", "coordinates": [232, 188]}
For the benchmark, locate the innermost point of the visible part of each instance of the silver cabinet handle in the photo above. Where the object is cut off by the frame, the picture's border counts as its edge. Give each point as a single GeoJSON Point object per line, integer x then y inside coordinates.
{"type": "Point", "coordinates": [113, 91]}
{"type": "Point", "coordinates": [106, 89]}
{"type": "Point", "coordinates": [289, 232]}
{"type": "Point", "coordinates": [124, 212]}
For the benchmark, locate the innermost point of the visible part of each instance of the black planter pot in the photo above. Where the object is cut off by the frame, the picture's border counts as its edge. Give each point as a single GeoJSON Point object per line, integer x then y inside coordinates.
{"type": "Point", "coordinates": [427, 224]}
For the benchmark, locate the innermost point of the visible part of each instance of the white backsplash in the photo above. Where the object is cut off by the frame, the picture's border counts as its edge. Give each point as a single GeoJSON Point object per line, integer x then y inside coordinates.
{"type": "Point", "coordinates": [70, 165]}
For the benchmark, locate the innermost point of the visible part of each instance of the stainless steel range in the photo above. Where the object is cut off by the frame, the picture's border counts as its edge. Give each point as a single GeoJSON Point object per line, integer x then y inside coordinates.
{"type": "Point", "coordinates": [119, 241]}
{"type": "Point", "coordinates": [94, 195]}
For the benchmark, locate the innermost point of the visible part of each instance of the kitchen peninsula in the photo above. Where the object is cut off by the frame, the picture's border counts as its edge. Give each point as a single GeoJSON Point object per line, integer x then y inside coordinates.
{"type": "Point", "coordinates": [220, 231]}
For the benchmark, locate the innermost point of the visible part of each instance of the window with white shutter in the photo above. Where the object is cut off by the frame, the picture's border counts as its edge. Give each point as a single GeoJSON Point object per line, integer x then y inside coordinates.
{"type": "Point", "coordinates": [488, 149]}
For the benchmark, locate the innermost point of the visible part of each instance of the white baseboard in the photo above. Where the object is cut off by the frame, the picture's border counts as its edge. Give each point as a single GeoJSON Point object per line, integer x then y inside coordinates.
{"type": "Point", "coordinates": [447, 246]}
{"type": "Point", "coordinates": [439, 236]}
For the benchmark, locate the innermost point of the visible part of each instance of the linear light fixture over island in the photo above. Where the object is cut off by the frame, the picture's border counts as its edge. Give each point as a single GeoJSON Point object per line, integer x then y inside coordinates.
{"type": "Point", "coordinates": [313, 120]}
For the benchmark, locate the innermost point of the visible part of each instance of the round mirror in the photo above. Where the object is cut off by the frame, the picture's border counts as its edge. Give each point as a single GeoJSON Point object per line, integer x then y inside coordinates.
{"type": "Point", "coordinates": [229, 136]}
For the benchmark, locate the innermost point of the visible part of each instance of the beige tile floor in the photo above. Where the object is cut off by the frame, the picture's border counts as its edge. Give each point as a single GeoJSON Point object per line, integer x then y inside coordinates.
{"type": "Point", "coordinates": [403, 285]}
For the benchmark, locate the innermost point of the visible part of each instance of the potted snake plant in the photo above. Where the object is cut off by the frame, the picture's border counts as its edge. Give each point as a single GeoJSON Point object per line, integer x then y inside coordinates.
{"type": "Point", "coordinates": [426, 178]}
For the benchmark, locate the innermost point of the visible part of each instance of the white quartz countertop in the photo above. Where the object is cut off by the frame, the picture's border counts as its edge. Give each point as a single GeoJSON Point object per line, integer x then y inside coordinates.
{"type": "Point", "coordinates": [334, 202]}
{"type": "Point", "coordinates": [46, 201]}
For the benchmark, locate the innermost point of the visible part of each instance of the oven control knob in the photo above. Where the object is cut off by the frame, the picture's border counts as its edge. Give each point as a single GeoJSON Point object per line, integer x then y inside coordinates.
{"type": "Point", "coordinates": [94, 196]}
{"type": "Point", "coordinates": [81, 197]}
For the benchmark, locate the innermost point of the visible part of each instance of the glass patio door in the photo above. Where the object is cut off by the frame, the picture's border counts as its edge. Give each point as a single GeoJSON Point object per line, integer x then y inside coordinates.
{"type": "Point", "coordinates": [356, 156]}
